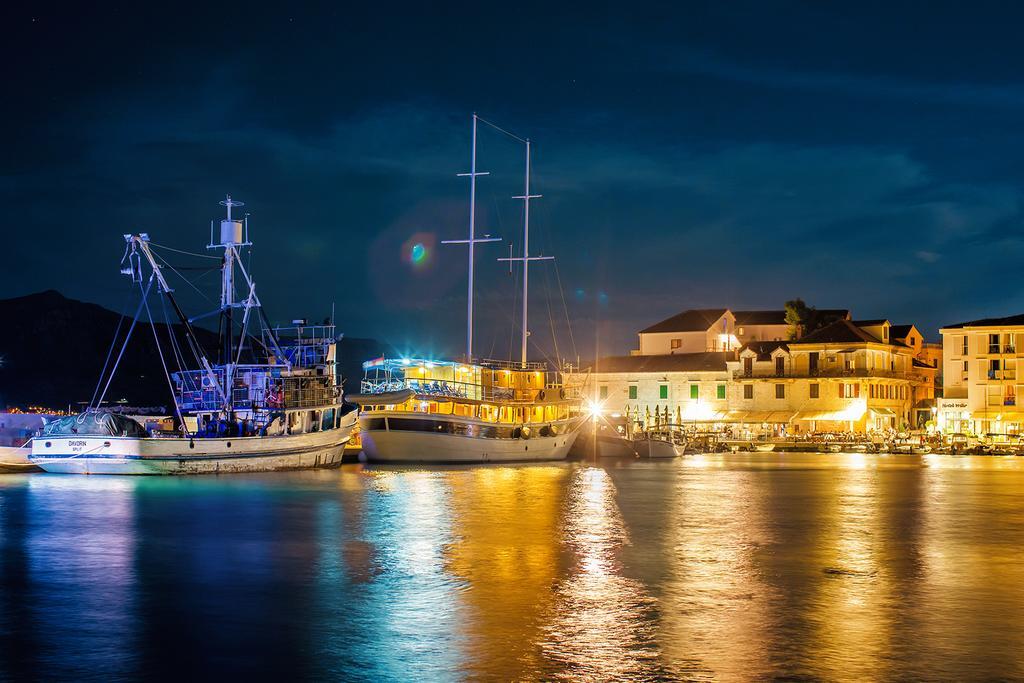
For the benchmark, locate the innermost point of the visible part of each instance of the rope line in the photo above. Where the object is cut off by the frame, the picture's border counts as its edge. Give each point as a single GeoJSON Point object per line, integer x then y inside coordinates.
{"type": "Point", "coordinates": [189, 253]}
{"type": "Point", "coordinates": [124, 346]}
{"type": "Point", "coordinates": [163, 363]}
{"type": "Point", "coordinates": [500, 129]}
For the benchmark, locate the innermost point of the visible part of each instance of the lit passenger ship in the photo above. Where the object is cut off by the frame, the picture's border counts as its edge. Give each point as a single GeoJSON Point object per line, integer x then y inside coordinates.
{"type": "Point", "coordinates": [474, 411]}
{"type": "Point", "coordinates": [446, 412]}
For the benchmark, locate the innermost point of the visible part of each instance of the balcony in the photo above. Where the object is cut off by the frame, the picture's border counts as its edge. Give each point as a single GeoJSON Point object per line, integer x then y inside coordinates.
{"type": "Point", "coordinates": [1002, 374]}
{"type": "Point", "coordinates": [996, 349]}
{"type": "Point", "coordinates": [826, 373]}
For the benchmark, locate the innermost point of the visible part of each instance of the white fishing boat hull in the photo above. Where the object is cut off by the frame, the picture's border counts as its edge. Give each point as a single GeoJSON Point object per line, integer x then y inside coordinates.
{"type": "Point", "coordinates": [396, 446]}
{"type": "Point", "coordinates": [133, 455]}
{"type": "Point", "coordinates": [656, 448]}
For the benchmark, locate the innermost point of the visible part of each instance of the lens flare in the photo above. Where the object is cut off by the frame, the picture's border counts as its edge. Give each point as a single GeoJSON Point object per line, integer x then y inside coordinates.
{"type": "Point", "coordinates": [416, 250]}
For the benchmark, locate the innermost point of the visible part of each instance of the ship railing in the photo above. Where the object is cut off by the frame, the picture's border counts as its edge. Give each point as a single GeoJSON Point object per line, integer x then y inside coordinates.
{"type": "Point", "coordinates": [514, 365]}
{"type": "Point", "coordinates": [255, 387]}
{"type": "Point", "coordinates": [305, 334]}
{"type": "Point", "coordinates": [463, 390]}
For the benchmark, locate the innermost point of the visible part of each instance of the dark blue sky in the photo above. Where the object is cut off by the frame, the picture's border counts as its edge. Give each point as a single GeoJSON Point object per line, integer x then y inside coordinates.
{"type": "Point", "coordinates": [691, 155]}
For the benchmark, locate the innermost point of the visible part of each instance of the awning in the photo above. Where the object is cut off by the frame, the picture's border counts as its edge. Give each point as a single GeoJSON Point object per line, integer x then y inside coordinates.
{"type": "Point", "coordinates": [829, 415]}
{"type": "Point", "coordinates": [760, 416]}
{"type": "Point", "coordinates": [707, 416]}
{"type": "Point", "coordinates": [882, 412]}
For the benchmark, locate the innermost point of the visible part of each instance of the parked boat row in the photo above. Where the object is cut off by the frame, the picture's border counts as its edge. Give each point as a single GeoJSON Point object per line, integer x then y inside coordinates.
{"type": "Point", "coordinates": [271, 398]}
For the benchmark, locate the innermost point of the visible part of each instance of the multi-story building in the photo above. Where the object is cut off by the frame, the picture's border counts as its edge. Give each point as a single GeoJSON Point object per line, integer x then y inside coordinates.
{"type": "Point", "coordinates": [717, 367]}
{"type": "Point", "coordinates": [846, 376]}
{"type": "Point", "coordinates": [927, 364]}
{"type": "Point", "coordinates": [718, 329]}
{"type": "Point", "coordinates": [980, 380]}
{"type": "Point", "coordinates": [685, 387]}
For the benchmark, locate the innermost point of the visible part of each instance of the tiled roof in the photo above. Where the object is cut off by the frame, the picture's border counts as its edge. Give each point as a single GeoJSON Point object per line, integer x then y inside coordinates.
{"type": "Point", "coordinates": [760, 317]}
{"type": "Point", "coordinates": [990, 322]}
{"type": "Point", "coordinates": [900, 331]}
{"type": "Point", "coordinates": [863, 323]}
{"type": "Point", "coordinates": [839, 332]}
{"type": "Point", "coordinates": [693, 320]}
{"type": "Point", "coordinates": [764, 349]}
{"type": "Point", "coordinates": [711, 361]}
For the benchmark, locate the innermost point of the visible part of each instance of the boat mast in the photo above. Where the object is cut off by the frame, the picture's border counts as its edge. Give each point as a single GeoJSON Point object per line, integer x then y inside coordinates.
{"type": "Point", "coordinates": [526, 258]}
{"type": "Point", "coordinates": [231, 237]}
{"type": "Point", "coordinates": [472, 241]}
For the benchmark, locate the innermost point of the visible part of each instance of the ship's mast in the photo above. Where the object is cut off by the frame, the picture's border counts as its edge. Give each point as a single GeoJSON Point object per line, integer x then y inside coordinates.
{"type": "Point", "coordinates": [232, 237]}
{"type": "Point", "coordinates": [526, 258]}
{"type": "Point", "coordinates": [472, 241]}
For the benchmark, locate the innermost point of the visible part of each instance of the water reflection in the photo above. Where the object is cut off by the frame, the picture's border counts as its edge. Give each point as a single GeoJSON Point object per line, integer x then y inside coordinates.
{"type": "Point", "coordinates": [761, 566]}
{"type": "Point", "coordinates": [601, 626]}
{"type": "Point", "coordinates": [80, 553]}
{"type": "Point", "coordinates": [508, 554]}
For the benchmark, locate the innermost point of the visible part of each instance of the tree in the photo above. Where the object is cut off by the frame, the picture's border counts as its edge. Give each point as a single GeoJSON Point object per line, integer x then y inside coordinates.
{"type": "Point", "coordinates": [799, 317]}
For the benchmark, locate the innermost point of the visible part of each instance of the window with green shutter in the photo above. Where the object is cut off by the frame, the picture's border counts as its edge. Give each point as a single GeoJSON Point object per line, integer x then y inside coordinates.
{"type": "Point", "coordinates": [632, 391]}
{"type": "Point", "coordinates": [663, 391]}
{"type": "Point", "coordinates": [721, 391]}
{"type": "Point", "coordinates": [694, 391]}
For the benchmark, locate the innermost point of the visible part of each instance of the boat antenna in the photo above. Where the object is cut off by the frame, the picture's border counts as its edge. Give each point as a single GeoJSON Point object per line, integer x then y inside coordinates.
{"type": "Point", "coordinates": [526, 258]}
{"type": "Point", "coordinates": [472, 241]}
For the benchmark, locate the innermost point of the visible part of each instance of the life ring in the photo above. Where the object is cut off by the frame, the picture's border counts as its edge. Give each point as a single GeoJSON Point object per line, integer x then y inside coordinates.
{"type": "Point", "coordinates": [561, 394]}
{"type": "Point", "coordinates": [541, 395]}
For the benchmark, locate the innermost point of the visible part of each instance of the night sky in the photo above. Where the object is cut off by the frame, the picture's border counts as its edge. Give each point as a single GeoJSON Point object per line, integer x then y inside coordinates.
{"type": "Point", "coordinates": [691, 155]}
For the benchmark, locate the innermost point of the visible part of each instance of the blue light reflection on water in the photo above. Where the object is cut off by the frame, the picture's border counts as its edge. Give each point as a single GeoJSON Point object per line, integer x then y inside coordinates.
{"type": "Point", "coordinates": [826, 566]}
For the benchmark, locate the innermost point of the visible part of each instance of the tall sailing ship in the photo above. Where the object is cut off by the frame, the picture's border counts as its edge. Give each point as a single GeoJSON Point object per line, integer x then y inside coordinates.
{"type": "Point", "coordinates": [420, 410]}
{"type": "Point", "coordinates": [272, 402]}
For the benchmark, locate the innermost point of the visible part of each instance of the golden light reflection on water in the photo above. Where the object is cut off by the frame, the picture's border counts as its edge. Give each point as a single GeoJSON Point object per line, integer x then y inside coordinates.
{"type": "Point", "coordinates": [715, 596]}
{"type": "Point", "coordinates": [507, 551]}
{"type": "Point", "coordinates": [723, 567]}
{"type": "Point", "coordinates": [852, 599]}
{"type": "Point", "coordinates": [602, 623]}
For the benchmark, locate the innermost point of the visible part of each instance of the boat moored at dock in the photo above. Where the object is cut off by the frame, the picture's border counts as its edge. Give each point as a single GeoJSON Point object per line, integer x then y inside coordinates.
{"type": "Point", "coordinates": [273, 401]}
{"type": "Point", "coordinates": [447, 412]}
{"type": "Point", "coordinates": [474, 411]}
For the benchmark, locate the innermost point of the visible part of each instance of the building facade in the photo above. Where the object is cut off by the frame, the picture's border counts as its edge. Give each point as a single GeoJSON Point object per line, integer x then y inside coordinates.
{"type": "Point", "coordinates": [845, 377]}
{"type": "Point", "coordinates": [980, 382]}
{"type": "Point", "coordinates": [718, 368]}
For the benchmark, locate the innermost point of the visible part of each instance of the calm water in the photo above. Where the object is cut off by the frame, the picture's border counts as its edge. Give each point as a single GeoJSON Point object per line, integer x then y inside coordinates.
{"type": "Point", "coordinates": [837, 567]}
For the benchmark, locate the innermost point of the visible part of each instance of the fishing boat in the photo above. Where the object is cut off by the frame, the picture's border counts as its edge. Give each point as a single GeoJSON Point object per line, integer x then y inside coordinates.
{"type": "Point", "coordinates": [473, 411]}
{"type": "Point", "coordinates": [272, 402]}
{"type": "Point", "coordinates": [656, 445]}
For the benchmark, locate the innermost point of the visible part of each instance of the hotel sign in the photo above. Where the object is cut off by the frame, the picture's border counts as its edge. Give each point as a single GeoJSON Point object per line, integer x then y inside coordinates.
{"type": "Point", "coordinates": [952, 404]}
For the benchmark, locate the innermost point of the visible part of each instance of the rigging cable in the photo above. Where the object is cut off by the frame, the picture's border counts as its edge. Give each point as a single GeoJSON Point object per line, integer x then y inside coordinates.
{"type": "Point", "coordinates": [163, 363]}
{"type": "Point", "coordinates": [110, 351]}
{"type": "Point", "coordinates": [189, 253]}
{"type": "Point", "coordinates": [124, 346]}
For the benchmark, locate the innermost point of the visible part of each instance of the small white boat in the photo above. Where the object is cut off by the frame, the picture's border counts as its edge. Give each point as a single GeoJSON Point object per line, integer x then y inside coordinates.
{"type": "Point", "coordinates": [764, 447]}
{"type": "Point", "coordinates": [652, 446]}
{"type": "Point", "coordinates": [15, 459]}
